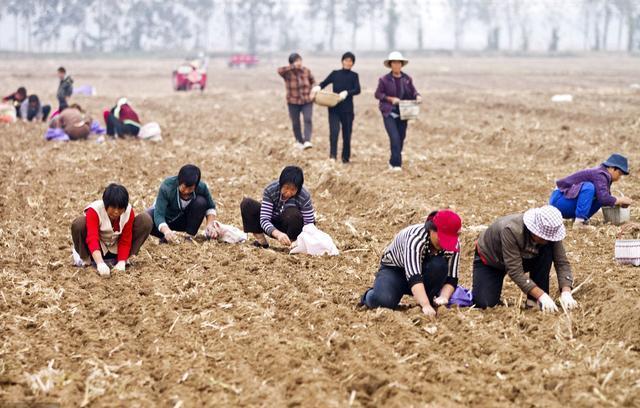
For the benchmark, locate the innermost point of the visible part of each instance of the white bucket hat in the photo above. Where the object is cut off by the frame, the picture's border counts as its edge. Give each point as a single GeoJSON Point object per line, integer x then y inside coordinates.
{"type": "Point", "coordinates": [545, 222]}
{"type": "Point", "coordinates": [395, 56]}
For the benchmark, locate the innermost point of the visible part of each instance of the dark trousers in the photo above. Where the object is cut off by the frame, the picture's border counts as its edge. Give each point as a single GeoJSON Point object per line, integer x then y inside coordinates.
{"type": "Point", "coordinates": [62, 104]}
{"type": "Point", "coordinates": [487, 281]}
{"type": "Point", "coordinates": [189, 220]}
{"type": "Point", "coordinates": [397, 131]}
{"type": "Point", "coordinates": [336, 120]}
{"type": "Point", "coordinates": [307, 113]}
{"type": "Point", "coordinates": [116, 127]}
{"type": "Point", "coordinates": [391, 283]}
{"type": "Point", "coordinates": [32, 113]}
{"type": "Point", "coordinates": [290, 221]}
{"type": "Point", "coordinates": [142, 225]}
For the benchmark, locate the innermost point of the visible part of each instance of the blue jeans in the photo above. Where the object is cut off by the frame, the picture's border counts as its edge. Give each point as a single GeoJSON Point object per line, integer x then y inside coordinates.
{"type": "Point", "coordinates": [397, 131]}
{"type": "Point", "coordinates": [583, 206]}
{"type": "Point", "coordinates": [391, 283]}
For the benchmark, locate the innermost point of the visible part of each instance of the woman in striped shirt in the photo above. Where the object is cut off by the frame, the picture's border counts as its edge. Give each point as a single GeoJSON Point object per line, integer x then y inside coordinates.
{"type": "Point", "coordinates": [421, 261]}
{"type": "Point", "coordinates": [286, 207]}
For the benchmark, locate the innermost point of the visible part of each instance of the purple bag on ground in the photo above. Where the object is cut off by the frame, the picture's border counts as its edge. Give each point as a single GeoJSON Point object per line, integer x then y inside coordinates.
{"type": "Point", "coordinates": [56, 135]}
{"type": "Point", "coordinates": [461, 297]}
{"type": "Point", "coordinates": [97, 129]}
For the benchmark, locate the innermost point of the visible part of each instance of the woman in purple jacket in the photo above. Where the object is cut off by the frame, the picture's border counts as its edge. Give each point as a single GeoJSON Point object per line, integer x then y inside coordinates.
{"type": "Point", "coordinates": [581, 194]}
{"type": "Point", "coordinates": [392, 88]}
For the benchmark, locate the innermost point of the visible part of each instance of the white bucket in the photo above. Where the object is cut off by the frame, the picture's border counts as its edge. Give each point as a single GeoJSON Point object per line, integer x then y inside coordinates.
{"type": "Point", "coordinates": [628, 251]}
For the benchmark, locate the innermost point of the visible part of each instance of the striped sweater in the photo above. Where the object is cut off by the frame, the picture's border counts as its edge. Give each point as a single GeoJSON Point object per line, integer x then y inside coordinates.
{"type": "Point", "coordinates": [273, 206]}
{"type": "Point", "coordinates": [408, 251]}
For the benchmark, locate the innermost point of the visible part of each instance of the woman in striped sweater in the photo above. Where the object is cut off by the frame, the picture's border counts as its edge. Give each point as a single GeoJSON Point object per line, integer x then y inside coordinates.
{"type": "Point", "coordinates": [422, 260]}
{"type": "Point", "coordinates": [286, 207]}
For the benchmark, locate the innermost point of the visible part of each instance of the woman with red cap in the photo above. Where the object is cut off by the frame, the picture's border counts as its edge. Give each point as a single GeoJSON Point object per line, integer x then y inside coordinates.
{"type": "Point", "coordinates": [421, 261]}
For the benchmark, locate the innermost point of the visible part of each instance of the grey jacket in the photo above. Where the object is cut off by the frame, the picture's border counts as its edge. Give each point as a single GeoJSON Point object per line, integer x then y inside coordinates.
{"type": "Point", "coordinates": [507, 242]}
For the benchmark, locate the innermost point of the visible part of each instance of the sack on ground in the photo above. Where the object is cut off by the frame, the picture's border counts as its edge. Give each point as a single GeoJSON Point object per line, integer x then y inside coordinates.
{"type": "Point", "coordinates": [461, 297]}
{"type": "Point", "coordinates": [312, 241]}
{"type": "Point", "coordinates": [229, 233]}
{"type": "Point", "coordinates": [151, 131]}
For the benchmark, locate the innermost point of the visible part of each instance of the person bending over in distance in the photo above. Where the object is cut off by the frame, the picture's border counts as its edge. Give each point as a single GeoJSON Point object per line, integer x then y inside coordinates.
{"type": "Point", "coordinates": [16, 99]}
{"type": "Point", "coordinates": [582, 194]}
{"type": "Point", "coordinates": [516, 244]}
{"type": "Point", "coordinates": [286, 207]}
{"type": "Point", "coordinates": [32, 110]}
{"type": "Point", "coordinates": [73, 121]}
{"type": "Point", "coordinates": [122, 120]}
{"type": "Point", "coordinates": [182, 204]}
{"type": "Point", "coordinates": [422, 260]}
{"type": "Point", "coordinates": [109, 231]}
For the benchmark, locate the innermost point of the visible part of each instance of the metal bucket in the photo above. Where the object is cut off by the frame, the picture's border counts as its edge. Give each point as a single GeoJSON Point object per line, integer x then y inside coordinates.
{"type": "Point", "coordinates": [409, 110]}
{"type": "Point", "coordinates": [616, 215]}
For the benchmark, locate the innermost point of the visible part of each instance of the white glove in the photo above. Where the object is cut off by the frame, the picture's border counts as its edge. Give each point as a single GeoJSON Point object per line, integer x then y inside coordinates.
{"type": "Point", "coordinates": [567, 301]}
{"type": "Point", "coordinates": [211, 232]}
{"type": "Point", "coordinates": [120, 266]}
{"type": "Point", "coordinates": [547, 305]}
{"type": "Point", "coordinates": [441, 301]}
{"type": "Point", "coordinates": [103, 270]}
{"type": "Point", "coordinates": [316, 89]}
{"type": "Point", "coordinates": [343, 95]}
{"type": "Point", "coordinates": [170, 236]}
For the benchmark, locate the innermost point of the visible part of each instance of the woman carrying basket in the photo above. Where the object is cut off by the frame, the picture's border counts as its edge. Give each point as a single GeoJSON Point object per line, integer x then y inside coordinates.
{"type": "Point", "coordinates": [392, 88]}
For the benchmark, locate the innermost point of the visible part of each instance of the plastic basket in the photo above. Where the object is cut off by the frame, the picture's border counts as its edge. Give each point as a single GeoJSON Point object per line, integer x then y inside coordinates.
{"type": "Point", "coordinates": [616, 215]}
{"type": "Point", "coordinates": [409, 110]}
{"type": "Point", "coordinates": [328, 99]}
{"type": "Point", "coordinates": [628, 251]}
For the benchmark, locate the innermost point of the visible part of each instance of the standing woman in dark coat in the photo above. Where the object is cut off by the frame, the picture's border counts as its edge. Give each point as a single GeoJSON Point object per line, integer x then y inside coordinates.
{"type": "Point", "coordinates": [347, 84]}
{"type": "Point", "coordinates": [392, 88]}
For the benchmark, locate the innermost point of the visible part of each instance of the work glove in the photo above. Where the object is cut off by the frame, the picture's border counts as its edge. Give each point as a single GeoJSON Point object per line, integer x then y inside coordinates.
{"type": "Point", "coordinates": [120, 266]}
{"type": "Point", "coordinates": [170, 236]}
{"type": "Point", "coordinates": [316, 89]}
{"type": "Point", "coordinates": [567, 301]}
{"type": "Point", "coordinates": [343, 95]}
{"type": "Point", "coordinates": [547, 305]}
{"type": "Point", "coordinates": [211, 232]}
{"type": "Point", "coordinates": [441, 301]}
{"type": "Point", "coordinates": [103, 270]}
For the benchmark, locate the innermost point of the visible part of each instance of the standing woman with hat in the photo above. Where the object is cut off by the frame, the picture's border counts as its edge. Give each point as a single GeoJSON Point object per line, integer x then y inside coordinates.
{"type": "Point", "coordinates": [581, 194]}
{"type": "Point", "coordinates": [299, 81]}
{"type": "Point", "coordinates": [347, 84]}
{"type": "Point", "coordinates": [392, 88]}
{"type": "Point", "coordinates": [516, 244]}
{"type": "Point", "coordinates": [422, 260]}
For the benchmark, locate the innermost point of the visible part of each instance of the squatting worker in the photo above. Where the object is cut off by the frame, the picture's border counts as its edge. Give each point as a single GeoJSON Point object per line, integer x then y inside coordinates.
{"type": "Point", "coordinates": [392, 88]}
{"type": "Point", "coordinates": [347, 84]}
{"type": "Point", "coordinates": [299, 82]}
{"type": "Point", "coordinates": [109, 231]}
{"type": "Point", "coordinates": [285, 209]}
{"type": "Point", "coordinates": [581, 194]}
{"type": "Point", "coordinates": [516, 244]}
{"type": "Point", "coordinates": [183, 202]}
{"type": "Point", "coordinates": [422, 260]}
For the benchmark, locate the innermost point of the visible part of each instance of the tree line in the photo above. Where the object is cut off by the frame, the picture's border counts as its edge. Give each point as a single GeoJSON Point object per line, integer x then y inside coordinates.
{"type": "Point", "coordinates": [261, 25]}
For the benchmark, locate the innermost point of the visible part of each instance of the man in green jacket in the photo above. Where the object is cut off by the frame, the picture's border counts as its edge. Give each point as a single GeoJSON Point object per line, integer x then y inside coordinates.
{"type": "Point", "coordinates": [182, 203]}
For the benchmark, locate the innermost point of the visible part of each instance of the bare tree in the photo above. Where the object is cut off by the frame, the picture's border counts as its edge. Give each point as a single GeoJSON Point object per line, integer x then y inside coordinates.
{"type": "Point", "coordinates": [461, 11]}
{"type": "Point", "coordinates": [255, 13]}
{"type": "Point", "coordinates": [329, 10]}
{"type": "Point", "coordinates": [391, 27]}
{"type": "Point", "coordinates": [628, 10]}
{"type": "Point", "coordinates": [487, 12]}
{"type": "Point", "coordinates": [354, 13]}
{"type": "Point", "coordinates": [373, 8]}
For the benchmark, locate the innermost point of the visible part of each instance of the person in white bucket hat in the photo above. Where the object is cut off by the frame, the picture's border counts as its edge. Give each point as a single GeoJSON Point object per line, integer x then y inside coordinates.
{"type": "Point", "coordinates": [392, 88]}
{"type": "Point", "coordinates": [516, 244]}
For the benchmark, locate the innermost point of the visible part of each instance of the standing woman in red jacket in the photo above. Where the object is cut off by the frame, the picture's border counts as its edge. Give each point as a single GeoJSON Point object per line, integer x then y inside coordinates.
{"type": "Point", "coordinates": [392, 88]}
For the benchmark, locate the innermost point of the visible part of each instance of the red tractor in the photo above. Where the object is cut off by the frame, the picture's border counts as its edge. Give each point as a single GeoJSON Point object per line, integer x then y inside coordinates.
{"type": "Point", "coordinates": [243, 61]}
{"type": "Point", "coordinates": [190, 74]}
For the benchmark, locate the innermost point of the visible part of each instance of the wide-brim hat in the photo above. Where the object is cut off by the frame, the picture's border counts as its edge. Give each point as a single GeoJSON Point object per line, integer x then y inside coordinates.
{"type": "Point", "coordinates": [395, 56]}
{"type": "Point", "coordinates": [545, 222]}
{"type": "Point", "coordinates": [619, 162]}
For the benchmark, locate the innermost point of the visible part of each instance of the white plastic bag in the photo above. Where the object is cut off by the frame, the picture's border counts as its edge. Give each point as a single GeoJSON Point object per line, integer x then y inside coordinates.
{"type": "Point", "coordinates": [229, 233]}
{"type": "Point", "coordinates": [151, 131]}
{"type": "Point", "coordinates": [312, 241]}
{"type": "Point", "coordinates": [562, 98]}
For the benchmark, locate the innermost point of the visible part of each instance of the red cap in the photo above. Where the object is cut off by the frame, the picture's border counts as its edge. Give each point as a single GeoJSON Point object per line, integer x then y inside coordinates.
{"type": "Point", "coordinates": [448, 224]}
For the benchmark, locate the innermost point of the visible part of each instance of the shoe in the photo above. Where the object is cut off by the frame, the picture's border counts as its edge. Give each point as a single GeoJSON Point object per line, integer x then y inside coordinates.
{"type": "Point", "coordinates": [299, 146]}
{"type": "Point", "coordinates": [75, 258]}
{"type": "Point", "coordinates": [307, 145]}
{"type": "Point", "coordinates": [258, 244]}
{"type": "Point", "coordinates": [364, 296]}
{"type": "Point", "coordinates": [395, 168]}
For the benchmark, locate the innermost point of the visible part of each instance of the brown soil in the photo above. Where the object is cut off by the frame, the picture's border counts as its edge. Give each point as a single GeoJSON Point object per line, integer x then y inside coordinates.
{"type": "Point", "coordinates": [212, 324]}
